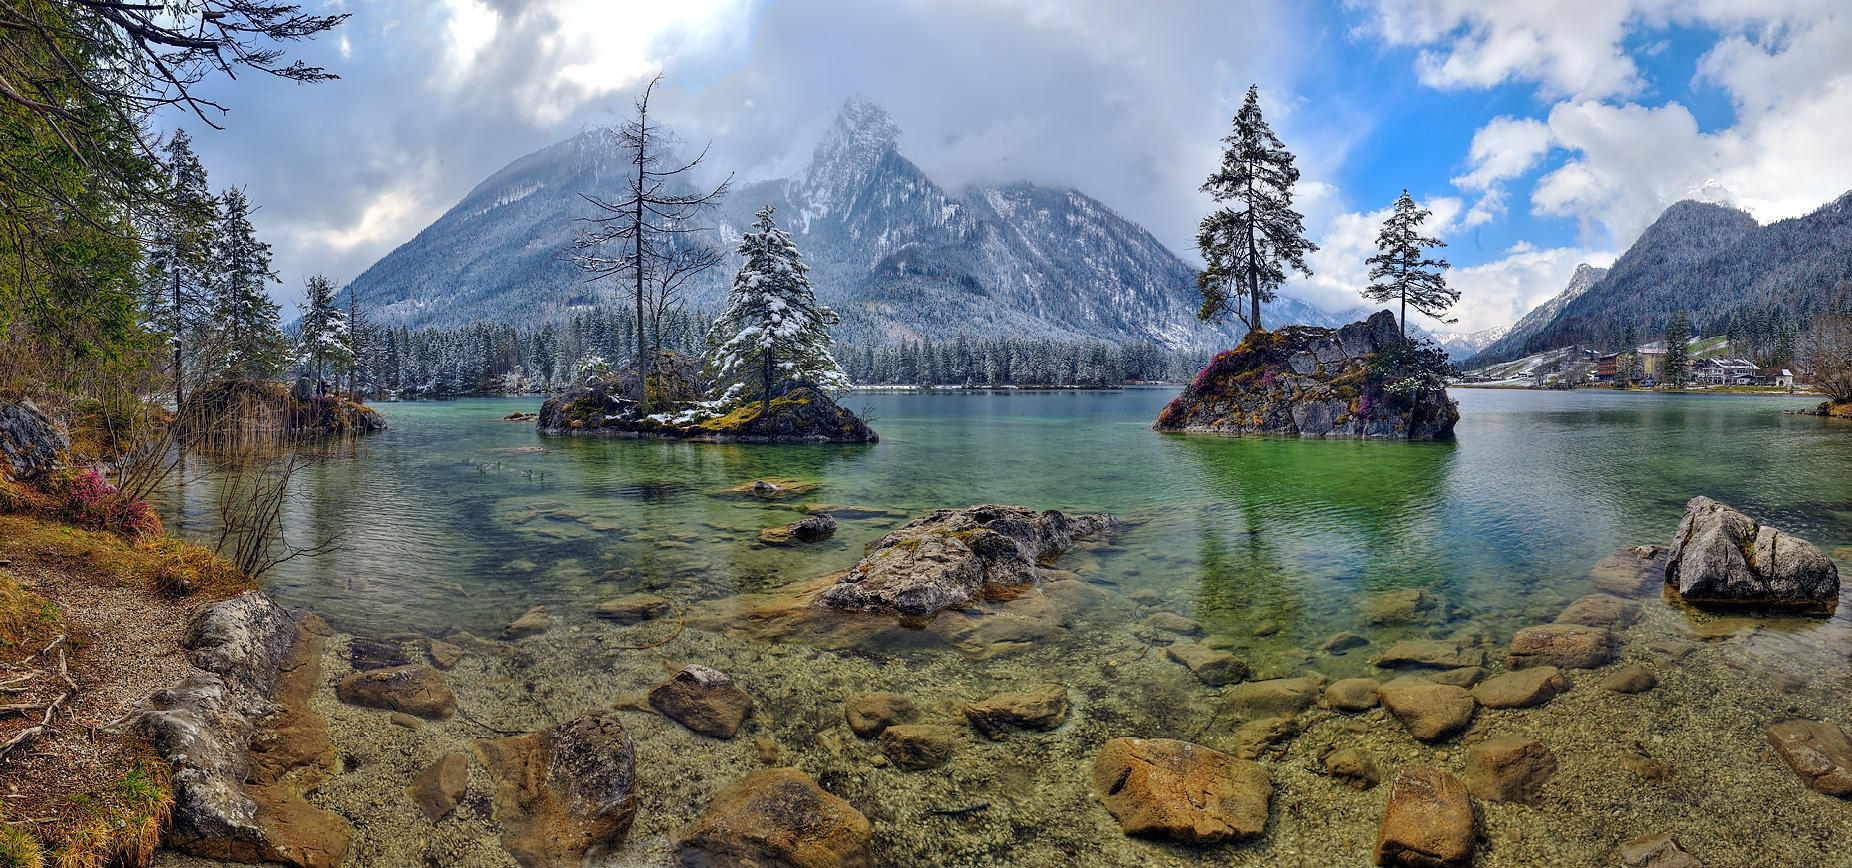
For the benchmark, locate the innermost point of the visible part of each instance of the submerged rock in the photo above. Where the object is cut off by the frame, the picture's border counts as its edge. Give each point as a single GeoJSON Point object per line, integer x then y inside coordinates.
{"type": "Point", "coordinates": [1428, 711]}
{"type": "Point", "coordinates": [1353, 768]}
{"type": "Point", "coordinates": [443, 654]}
{"type": "Point", "coordinates": [1312, 382]}
{"type": "Point", "coordinates": [1429, 821]}
{"type": "Point", "coordinates": [1509, 768]}
{"type": "Point", "coordinates": [916, 746]}
{"type": "Point", "coordinates": [414, 689]}
{"type": "Point", "coordinates": [1601, 610]}
{"type": "Point", "coordinates": [1656, 851]}
{"type": "Point", "coordinates": [1630, 572]}
{"type": "Point", "coordinates": [1630, 679]}
{"type": "Point", "coordinates": [1353, 694]}
{"type": "Point", "coordinates": [950, 557]}
{"type": "Point", "coordinates": [1565, 646]}
{"type": "Point", "coordinates": [1172, 789]}
{"type": "Point", "coordinates": [1722, 558]}
{"type": "Point", "coordinates": [703, 699]}
{"type": "Point", "coordinates": [1256, 737]}
{"type": "Point", "coordinates": [634, 609]}
{"type": "Point", "coordinates": [1818, 752]}
{"type": "Point", "coordinates": [437, 789]}
{"type": "Point", "coordinates": [778, 817]}
{"type": "Point", "coordinates": [533, 622]}
{"type": "Point", "coordinates": [1523, 688]}
{"type": "Point", "coordinates": [1171, 622]}
{"type": "Point", "coordinates": [1438, 653]}
{"type": "Point", "coordinates": [1042, 707]}
{"type": "Point", "coordinates": [1212, 667]}
{"type": "Point", "coordinates": [1406, 606]}
{"type": "Point", "coordinates": [1274, 697]}
{"type": "Point", "coordinates": [812, 529]}
{"type": "Point", "coordinates": [566, 796]}
{"type": "Point", "coordinates": [870, 713]}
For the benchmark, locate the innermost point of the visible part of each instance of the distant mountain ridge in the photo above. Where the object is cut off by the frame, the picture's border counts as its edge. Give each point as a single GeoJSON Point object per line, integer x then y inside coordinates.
{"type": "Point", "coordinates": [1706, 259]}
{"type": "Point", "coordinates": [900, 257]}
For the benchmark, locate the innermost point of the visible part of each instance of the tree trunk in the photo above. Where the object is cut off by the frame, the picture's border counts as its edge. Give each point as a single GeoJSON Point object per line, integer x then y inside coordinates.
{"type": "Point", "coordinates": [765, 392]}
{"type": "Point", "coordinates": [643, 359]}
{"type": "Point", "coordinates": [179, 376]}
{"type": "Point", "coordinates": [1253, 263]}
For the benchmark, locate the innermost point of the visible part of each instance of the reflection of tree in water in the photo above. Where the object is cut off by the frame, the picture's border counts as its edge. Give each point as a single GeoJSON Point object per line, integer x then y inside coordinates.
{"type": "Point", "coordinates": [1318, 520]}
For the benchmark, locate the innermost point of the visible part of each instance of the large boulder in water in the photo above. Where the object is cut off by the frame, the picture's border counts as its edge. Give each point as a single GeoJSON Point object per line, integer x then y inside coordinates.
{"type": "Point", "coordinates": [950, 557]}
{"type": "Point", "coordinates": [1302, 381]}
{"type": "Point", "coordinates": [803, 413]}
{"type": "Point", "coordinates": [1723, 558]}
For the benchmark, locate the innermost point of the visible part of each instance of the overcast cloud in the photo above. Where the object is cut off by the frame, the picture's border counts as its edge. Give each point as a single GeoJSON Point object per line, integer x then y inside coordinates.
{"type": "Point", "coordinates": [1125, 101]}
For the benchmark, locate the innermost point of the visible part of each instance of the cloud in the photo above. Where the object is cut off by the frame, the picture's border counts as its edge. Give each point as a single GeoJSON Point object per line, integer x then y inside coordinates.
{"type": "Point", "coordinates": [1568, 48]}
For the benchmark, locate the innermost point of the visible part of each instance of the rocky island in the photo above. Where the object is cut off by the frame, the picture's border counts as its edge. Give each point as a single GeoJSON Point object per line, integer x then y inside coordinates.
{"type": "Point", "coordinates": [802, 413]}
{"type": "Point", "coordinates": [1363, 380]}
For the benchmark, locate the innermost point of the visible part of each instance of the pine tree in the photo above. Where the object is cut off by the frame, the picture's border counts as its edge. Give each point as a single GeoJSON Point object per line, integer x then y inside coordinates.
{"type": "Point", "coordinates": [250, 327]}
{"type": "Point", "coordinates": [323, 337]}
{"type": "Point", "coordinates": [773, 330]}
{"type": "Point", "coordinates": [179, 250]}
{"type": "Point", "coordinates": [1678, 351]}
{"type": "Point", "coordinates": [1248, 247]}
{"type": "Point", "coordinates": [1402, 271]}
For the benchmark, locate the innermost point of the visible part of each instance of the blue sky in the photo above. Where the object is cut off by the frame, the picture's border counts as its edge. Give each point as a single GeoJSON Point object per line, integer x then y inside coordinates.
{"type": "Point", "coordinates": [1541, 134]}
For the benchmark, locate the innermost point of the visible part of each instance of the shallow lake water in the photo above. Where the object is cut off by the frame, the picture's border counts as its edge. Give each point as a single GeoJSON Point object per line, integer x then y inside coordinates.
{"type": "Point", "coordinates": [456, 521]}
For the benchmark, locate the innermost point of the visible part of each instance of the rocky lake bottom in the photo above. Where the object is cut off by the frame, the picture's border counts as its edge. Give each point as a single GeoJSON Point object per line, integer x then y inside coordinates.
{"type": "Point", "coordinates": [1688, 755]}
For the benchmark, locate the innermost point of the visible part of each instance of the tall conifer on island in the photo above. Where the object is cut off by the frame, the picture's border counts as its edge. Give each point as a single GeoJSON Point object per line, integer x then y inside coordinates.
{"type": "Point", "coordinates": [250, 326]}
{"type": "Point", "coordinates": [773, 330]}
{"type": "Point", "coordinates": [1401, 270]}
{"type": "Point", "coordinates": [1249, 244]}
{"type": "Point", "coordinates": [323, 337]}
{"type": "Point", "coordinates": [652, 231]}
{"type": "Point", "coordinates": [1678, 350]}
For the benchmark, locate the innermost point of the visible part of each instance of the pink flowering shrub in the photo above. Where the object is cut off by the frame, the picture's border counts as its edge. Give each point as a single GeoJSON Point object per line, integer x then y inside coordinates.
{"type": "Point", "coordinates": [82, 497]}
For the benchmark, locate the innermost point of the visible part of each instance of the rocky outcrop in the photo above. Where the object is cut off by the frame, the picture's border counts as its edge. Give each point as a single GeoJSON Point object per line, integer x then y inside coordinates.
{"type": "Point", "coordinates": [1723, 559]}
{"type": "Point", "coordinates": [1429, 821]}
{"type": "Point", "coordinates": [1303, 381]}
{"type": "Point", "coordinates": [778, 817]}
{"type": "Point", "coordinates": [244, 744]}
{"type": "Point", "coordinates": [30, 445]}
{"type": "Point", "coordinates": [951, 557]}
{"type": "Point", "coordinates": [802, 414]}
{"type": "Point", "coordinates": [566, 796]}
{"type": "Point", "coordinates": [1164, 788]}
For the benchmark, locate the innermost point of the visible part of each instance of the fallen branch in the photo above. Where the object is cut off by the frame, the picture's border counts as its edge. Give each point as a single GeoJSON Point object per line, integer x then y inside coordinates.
{"type": "Point", "coordinates": [671, 637]}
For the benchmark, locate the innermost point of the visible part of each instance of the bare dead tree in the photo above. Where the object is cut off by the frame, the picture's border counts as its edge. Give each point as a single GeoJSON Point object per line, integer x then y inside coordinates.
{"type": "Point", "coordinates": [1829, 356]}
{"type": "Point", "coordinates": [655, 232]}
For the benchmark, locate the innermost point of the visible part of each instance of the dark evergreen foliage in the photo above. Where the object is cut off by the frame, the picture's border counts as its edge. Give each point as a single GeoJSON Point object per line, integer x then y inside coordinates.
{"type": "Point", "coordinates": [1249, 245]}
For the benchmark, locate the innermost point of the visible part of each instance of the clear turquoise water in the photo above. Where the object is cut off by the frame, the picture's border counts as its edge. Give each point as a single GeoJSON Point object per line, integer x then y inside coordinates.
{"type": "Point", "coordinates": [455, 519]}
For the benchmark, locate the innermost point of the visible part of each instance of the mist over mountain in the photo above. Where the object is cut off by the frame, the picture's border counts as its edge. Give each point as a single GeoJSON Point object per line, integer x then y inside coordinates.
{"type": "Point", "coordinates": [1709, 260]}
{"type": "Point", "coordinates": [896, 254]}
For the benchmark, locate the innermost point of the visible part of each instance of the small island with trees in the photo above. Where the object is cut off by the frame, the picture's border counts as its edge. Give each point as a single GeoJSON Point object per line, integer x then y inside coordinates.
{"type": "Point", "coordinates": [1367, 379]}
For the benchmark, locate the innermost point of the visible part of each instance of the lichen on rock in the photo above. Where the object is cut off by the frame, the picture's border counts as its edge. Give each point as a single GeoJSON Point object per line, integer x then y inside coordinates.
{"type": "Point", "coordinates": [1362, 380]}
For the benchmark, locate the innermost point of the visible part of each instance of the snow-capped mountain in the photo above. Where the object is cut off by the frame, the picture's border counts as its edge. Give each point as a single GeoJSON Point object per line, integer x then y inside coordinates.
{"type": "Point", "coordinates": [1465, 345]}
{"type": "Point", "coordinates": [899, 256]}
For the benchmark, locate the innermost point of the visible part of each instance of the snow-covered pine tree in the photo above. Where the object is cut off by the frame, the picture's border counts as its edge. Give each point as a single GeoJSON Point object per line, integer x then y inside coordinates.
{"type": "Point", "coordinates": [250, 327]}
{"type": "Point", "coordinates": [1401, 270]}
{"type": "Point", "coordinates": [323, 340]}
{"type": "Point", "coordinates": [773, 330]}
{"type": "Point", "coordinates": [1248, 246]}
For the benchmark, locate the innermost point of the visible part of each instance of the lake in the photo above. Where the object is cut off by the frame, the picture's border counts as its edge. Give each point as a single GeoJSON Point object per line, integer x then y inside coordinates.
{"type": "Point", "coordinates": [457, 521]}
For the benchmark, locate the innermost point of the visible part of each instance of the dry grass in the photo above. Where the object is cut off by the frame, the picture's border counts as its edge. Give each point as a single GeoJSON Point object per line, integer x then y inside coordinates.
{"type": "Point", "coordinates": [154, 563]}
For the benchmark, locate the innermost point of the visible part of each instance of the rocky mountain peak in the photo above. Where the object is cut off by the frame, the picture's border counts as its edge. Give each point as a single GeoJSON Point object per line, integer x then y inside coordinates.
{"type": "Point", "coordinates": [860, 136]}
